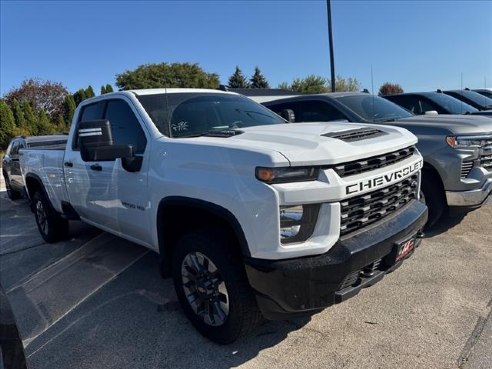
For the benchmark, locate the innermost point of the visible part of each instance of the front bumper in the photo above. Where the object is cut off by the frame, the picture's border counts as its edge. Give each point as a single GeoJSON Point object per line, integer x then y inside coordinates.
{"type": "Point", "coordinates": [303, 286]}
{"type": "Point", "coordinates": [471, 197]}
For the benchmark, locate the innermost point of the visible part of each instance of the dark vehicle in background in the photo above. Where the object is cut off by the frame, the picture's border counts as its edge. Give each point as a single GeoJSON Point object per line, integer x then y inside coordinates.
{"type": "Point", "coordinates": [421, 103]}
{"type": "Point", "coordinates": [10, 163]}
{"type": "Point", "coordinates": [472, 98]}
{"type": "Point", "coordinates": [483, 91]}
{"type": "Point", "coordinates": [457, 149]}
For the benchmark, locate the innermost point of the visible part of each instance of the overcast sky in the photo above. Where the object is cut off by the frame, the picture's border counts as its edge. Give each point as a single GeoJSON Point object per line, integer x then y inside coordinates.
{"type": "Point", "coordinates": [422, 45]}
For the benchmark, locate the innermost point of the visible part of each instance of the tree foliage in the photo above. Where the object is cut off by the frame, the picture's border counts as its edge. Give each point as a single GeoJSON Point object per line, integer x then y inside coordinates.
{"type": "Point", "coordinates": [181, 75]}
{"type": "Point", "coordinates": [258, 80]}
{"type": "Point", "coordinates": [313, 84]}
{"type": "Point", "coordinates": [89, 92]}
{"type": "Point", "coordinates": [390, 89]}
{"type": "Point", "coordinates": [7, 125]}
{"type": "Point", "coordinates": [41, 95]}
{"type": "Point", "coordinates": [18, 114]}
{"type": "Point", "coordinates": [109, 88]}
{"type": "Point", "coordinates": [30, 118]}
{"type": "Point", "coordinates": [237, 80]}
{"type": "Point", "coordinates": [79, 96]}
{"type": "Point", "coordinates": [68, 109]}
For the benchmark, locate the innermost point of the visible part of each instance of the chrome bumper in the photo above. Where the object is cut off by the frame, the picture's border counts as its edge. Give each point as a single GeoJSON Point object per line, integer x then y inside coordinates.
{"type": "Point", "coordinates": [470, 198]}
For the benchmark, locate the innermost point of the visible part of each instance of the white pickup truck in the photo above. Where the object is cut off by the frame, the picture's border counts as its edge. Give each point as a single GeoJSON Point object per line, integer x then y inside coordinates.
{"type": "Point", "coordinates": [251, 216]}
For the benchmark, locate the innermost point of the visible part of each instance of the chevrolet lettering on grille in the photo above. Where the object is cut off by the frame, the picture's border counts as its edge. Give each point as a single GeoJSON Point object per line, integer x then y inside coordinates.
{"type": "Point", "coordinates": [383, 180]}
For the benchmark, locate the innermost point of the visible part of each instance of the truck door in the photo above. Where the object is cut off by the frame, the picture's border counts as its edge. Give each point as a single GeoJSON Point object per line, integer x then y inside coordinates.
{"type": "Point", "coordinates": [105, 192]}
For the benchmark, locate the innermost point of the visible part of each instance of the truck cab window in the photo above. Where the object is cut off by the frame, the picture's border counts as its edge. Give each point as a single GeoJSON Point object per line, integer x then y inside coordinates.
{"type": "Point", "coordinates": [125, 126]}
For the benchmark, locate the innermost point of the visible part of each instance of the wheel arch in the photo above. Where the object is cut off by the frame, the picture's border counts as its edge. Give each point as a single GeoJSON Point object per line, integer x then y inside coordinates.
{"type": "Point", "coordinates": [177, 215]}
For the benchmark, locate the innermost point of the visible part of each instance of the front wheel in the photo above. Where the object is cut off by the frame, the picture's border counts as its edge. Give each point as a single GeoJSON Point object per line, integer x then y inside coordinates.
{"type": "Point", "coordinates": [51, 225]}
{"type": "Point", "coordinates": [432, 195]}
{"type": "Point", "coordinates": [212, 287]}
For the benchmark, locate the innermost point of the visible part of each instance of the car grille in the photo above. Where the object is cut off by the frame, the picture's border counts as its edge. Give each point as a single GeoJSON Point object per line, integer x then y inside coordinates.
{"type": "Point", "coordinates": [353, 279]}
{"type": "Point", "coordinates": [372, 163]}
{"type": "Point", "coordinates": [486, 161]}
{"type": "Point", "coordinates": [363, 210]}
{"type": "Point", "coordinates": [466, 167]}
{"type": "Point", "coordinates": [356, 134]}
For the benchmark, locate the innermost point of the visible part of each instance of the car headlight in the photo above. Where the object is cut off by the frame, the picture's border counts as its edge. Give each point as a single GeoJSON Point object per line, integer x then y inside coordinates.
{"type": "Point", "coordinates": [287, 174]}
{"type": "Point", "coordinates": [297, 222]}
{"type": "Point", "coordinates": [468, 141]}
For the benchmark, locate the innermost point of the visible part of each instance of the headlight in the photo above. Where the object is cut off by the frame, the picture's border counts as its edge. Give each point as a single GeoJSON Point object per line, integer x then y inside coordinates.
{"type": "Point", "coordinates": [297, 222]}
{"type": "Point", "coordinates": [287, 174]}
{"type": "Point", "coordinates": [468, 141]}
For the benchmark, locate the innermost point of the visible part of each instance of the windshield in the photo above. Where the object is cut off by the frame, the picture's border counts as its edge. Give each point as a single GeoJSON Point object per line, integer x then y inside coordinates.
{"type": "Point", "coordinates": [475, 97]}
{"type": "Point", "coordinates": [451, 104]}
{"type": "Point", "coordinates": [193, 114]}
{"type": "Point", "coordinates": [374, 108]}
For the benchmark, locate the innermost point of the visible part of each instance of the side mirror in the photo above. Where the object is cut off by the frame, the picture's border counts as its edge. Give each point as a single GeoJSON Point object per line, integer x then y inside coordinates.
{"type": "Point", "coordinates": [431, 112]}
{"type": "Point", "coordinates": [96, 142]}
{"type": "Point", "coordinates": [288, 115]}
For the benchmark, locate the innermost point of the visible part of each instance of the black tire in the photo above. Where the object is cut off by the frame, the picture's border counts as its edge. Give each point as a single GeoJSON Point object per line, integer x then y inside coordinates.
{"type": "Point", "coordinates": [241, 315]}
{"type": "Point", "coordinates": [51, 226]}
{"type": "Point", "coordinates": [12, 194]}
{"type": "Point", "coordinates": [432, 194]}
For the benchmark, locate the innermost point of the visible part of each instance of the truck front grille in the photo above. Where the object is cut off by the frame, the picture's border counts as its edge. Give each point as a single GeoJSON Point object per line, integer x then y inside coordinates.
{"type": "Point", "coordinates": [486, 161]}
{"type": "Point", "coordinates": [363, 210]}
{"type": "Point", "coordinates": [466, 167]}
{"type": "Point", "coordinates": [372, 163]}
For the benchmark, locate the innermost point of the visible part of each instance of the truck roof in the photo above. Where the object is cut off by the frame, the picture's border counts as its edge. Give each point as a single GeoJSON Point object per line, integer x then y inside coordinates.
{"type": "Point", "coordinates": [154, 91]}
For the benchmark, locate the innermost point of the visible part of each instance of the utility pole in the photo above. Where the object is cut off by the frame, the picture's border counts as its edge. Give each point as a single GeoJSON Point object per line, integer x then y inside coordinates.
{"type": "Point", "coordinates": [330, 37]}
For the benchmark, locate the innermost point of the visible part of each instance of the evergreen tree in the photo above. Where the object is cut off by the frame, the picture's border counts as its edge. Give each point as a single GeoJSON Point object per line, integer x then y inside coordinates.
{"type": "Point", "coordinates": [237, 80]}
{"type": "Point", "coordinates": [109, 88]}
{"type": "Point", "coordinates": [7, 125]}
{"type": "Point", "coordinates": [68, 109]}
{"type": "Point", "coordinates": [30, 117]}
{"type": "Point", "coordinates": [18, 114]}
{"type": "Point", "coordinates": [79, 96]}
{"type": "Point", "coordinates": [89, 92]}
{"type": "Point", "coordinates": [103, 90]}
{"type": "Point", "coordinates": [44, 124]}
{"type": "Point", "coordinates": [258, 80]}
{"type": "Point", "coordinates": [61, 126]}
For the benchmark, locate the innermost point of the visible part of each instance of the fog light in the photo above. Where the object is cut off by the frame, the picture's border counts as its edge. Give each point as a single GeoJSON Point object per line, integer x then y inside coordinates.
{"type": "Point", "coordinates": [297, 222]}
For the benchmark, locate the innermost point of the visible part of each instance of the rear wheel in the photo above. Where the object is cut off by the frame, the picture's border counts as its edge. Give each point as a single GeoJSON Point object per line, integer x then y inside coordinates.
{"type": "Point", "coordinates": [12, 194]}
{"type": "Point", "coordinates": [212, 287]}
{"type": "Point", "coordinates": [432, 194]}
{"type": "Point", "coordinates": [51, 225]}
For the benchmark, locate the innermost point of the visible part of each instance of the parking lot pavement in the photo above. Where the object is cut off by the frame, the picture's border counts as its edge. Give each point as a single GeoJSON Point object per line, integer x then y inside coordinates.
{"type": "Point", "coordinates": [97, 301]}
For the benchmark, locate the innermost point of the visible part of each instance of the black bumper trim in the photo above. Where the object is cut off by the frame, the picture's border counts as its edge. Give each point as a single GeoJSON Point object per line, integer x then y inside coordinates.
{"type": "Point", "coordinates": [302, 286]}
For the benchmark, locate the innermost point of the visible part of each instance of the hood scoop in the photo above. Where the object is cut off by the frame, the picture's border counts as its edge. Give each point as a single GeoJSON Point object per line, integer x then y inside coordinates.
{"type": "Point", "coordinates": [358, 134]}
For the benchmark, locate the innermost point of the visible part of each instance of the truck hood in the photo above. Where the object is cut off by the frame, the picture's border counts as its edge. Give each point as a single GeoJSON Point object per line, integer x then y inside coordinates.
{"type": "Point", "coordinates": [451, 123]}
{"type": "Point", "coordinates": [320, 143]}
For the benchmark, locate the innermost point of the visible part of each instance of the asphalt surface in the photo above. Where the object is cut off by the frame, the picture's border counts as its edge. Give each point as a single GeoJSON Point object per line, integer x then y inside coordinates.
{"type": "Point", "coordinates": [96, 301]}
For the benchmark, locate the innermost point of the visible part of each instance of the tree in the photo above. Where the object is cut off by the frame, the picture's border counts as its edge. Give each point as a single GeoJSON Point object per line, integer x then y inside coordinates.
{"type": "Point", "coordinates": [109, 88]}
{"type": "Point", "coordinates": [41, 95]}
{"type": "Point", "coordinates": [7, 125]}
{"type": "Point", "coordinates": [31, 120]}
{"type": "Point", "coordinates": [310, 85]}
{"type": "Point", "coordinates": [183, 75]}
{"type": "Point", "coordinates": [69, 109]}
{"type": "Point", "coordinates": [79, 96]}
{"type": "Point", "coordinates": [103, 90]}
{"type": "Point", "coordinates": [258, 80]}
{"type": "Point", "coordinates": [390, 89]}
{"type": "Point", "coordinates": [237, 80]}
{"type": "Point", "coordinates": [18, 114]}
{"type": "Point", "coordinates": [44, 124]}
{"type": "Point", "coordinates": [89, 92]}
{"type": "Point", "coordinates": [346, 84]}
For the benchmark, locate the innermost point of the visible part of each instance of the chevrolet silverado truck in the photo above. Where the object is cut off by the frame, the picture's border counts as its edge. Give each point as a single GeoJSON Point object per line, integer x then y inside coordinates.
{"type": "Point", "coordinates": [457, 149]}
{"type": "Point", "coordinates": [251, 216]}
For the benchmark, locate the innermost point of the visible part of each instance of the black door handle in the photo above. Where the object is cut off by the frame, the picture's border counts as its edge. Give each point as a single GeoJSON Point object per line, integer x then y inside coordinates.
{"type": "Point", "coordinates": [68, 164]}
{"type": "Point", "coordinates": [96, 167]}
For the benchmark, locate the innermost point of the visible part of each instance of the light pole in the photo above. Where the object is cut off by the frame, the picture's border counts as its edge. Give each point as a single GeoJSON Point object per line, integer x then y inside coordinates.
{"type": "Point", "coordinates": [330, 37]}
